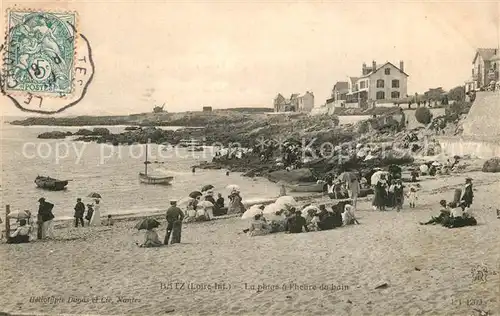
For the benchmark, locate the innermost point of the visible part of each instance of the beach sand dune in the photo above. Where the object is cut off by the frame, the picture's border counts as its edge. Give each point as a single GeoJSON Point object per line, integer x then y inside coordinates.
{"type": "Point", "coordinates": [219, 271]}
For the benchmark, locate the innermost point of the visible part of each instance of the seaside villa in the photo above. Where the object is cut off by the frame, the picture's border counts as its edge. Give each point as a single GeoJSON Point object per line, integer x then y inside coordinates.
{"type": "Point", "coordinates": [484, 68]}
{"type": "Point", "coordinates": [296, 102]}
{"type": "Point", "coordinates": [378, 85]}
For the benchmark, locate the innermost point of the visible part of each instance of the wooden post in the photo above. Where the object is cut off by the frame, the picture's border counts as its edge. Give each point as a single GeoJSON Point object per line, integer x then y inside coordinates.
{"type": "Point", "coordinates": [7, 221]}
{"type": "Point", "coordinates": [39, 227]}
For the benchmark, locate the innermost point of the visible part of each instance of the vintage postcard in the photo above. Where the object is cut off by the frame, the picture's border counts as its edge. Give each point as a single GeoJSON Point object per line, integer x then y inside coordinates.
{"type": "Point", "coordinates": [250, 158]}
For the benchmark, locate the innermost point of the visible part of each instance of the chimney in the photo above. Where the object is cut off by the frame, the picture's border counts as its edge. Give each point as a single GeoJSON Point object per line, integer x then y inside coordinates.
{"type": "Point", "coordinates": [363, 70]}
{"type": "Point", "coordinates": [374, 65]}
{"type": "Point", "coordinates": [401, 65]}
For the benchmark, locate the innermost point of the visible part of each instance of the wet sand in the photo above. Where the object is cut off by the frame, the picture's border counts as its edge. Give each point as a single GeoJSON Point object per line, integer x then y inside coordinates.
{"type": "Point", "coordinates": [217, 270]}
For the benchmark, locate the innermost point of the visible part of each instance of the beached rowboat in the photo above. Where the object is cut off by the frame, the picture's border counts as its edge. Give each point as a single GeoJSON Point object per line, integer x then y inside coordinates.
{"type": "Point", "coordinates": [49, 183]}
{"type": "Point", "coordinates": [307, 187]}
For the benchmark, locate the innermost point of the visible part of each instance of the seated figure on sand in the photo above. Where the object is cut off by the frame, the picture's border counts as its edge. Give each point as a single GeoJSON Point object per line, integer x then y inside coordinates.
{"type": "Point", "coordinates": [295, 223]}
{"type": "Point", "coordinates": [326, 219]}
{"type": "Point", "coordinates": [151, 239]}
{"type": "Point", "coordinates": [443, 216]}
{"type": "Point", "coordinates": [348, 217]}
{"type": "Point", "coordinates": [21, 234]}
{"type": "Point", "coordinates": [259, 226]}
{"type": "Point", "coordinates": [109, 221]}
{"type": "Point", "coordinates": [190, 213]}
{"type": "Point", "coordinates": [459, 217]}
{"type": "Point", "coordinates": [235, 203]}
{"type": "Point", "coordinates": [278, 222]}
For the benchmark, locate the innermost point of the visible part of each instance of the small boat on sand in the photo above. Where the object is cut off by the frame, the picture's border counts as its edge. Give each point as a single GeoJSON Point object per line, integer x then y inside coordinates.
{"type": "Point", "coordinates": [144, 177]}
{"type": "Point", "coordinates": [307, 187]}
{"type": "Point", "coordinates": [49, 183]}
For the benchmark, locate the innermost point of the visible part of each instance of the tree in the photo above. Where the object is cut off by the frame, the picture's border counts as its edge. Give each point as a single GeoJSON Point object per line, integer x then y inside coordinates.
{"type": "Point", "coordinates": [457, 94]}
{"type": "Point", "coordinates": [423, 115]}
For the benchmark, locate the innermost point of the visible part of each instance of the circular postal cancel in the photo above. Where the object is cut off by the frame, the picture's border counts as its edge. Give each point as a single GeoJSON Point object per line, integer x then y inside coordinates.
{"type": "Point", "coordinates": [47, 64]}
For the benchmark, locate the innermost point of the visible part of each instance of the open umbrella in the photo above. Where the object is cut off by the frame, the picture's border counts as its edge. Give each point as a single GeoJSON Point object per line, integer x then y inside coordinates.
{"type": "Point", "coordinates": [207, 187]}
{"type": "Point", "coordinates": [271, 208]}
{"type": "Point", "coordinates": [424, 168]}
{"type": "Point", "coordinates": [195, 194]}
{"type": "Point", "coordinates": [184, 202]}
{"type": "Point", "coordinates": [94, 195]}
{"type": "Point", "coordinates": [233, 187]}
{"type": "Point", "coordinates": [309, 208]}
{"type": "Point", "coordinates": [147, 223]}
{"type": "Point", "coordinates": [251, 212]}
{"type": "Point", "coordinates": [376, 176]}
{"type": "Point", "coordinates": [285, 201]}
{"type": "Point", "coordinates": [205, 204]}
{"type": "Point", "coordinates": [19, 215]}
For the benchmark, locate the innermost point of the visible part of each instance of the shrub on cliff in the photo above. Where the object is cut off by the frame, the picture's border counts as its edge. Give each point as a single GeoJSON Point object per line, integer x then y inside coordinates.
{"type": "Point", "coordinates": [363, 127]}
{"type": "Point", "coordinates": [423, 116]}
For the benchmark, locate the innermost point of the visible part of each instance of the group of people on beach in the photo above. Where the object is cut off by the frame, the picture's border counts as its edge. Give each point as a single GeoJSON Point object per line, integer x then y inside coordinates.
{"type": "Point", "coordinates": [26, 224]}
{"type": "Point", "coordinates": [291, 220]}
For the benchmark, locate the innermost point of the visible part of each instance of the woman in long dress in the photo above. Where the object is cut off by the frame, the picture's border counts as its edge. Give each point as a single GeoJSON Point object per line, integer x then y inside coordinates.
{"type": "Point", "coordinates": [96, 216]}
{"type": "Point", "coordinates": [380, 197]}
{"type": "Point", "coordinates": [235, 204]}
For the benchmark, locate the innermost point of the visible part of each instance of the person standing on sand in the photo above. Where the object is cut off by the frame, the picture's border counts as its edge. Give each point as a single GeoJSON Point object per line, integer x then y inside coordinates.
{"type": "Point", "coordinates": [46, 218]}
{"type": "Point", "coordinates": [379, 200]}
{"type": "Point", "coordinates": [79, 212]}
{"type": "Point", "coordinates": [174, 215]}
{"type": "Point", "coordinates": [467, 194]}
{"type": "Point", "coordinates": [95, 220]}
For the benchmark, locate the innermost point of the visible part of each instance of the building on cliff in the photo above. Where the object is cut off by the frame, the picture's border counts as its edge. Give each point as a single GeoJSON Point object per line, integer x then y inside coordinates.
{"type": "Point", "coordinates": [296, 102]}
{"type": "Point", "coordinates": [380, 84]}
{"type": "Point", "coordinates": [484, 68]}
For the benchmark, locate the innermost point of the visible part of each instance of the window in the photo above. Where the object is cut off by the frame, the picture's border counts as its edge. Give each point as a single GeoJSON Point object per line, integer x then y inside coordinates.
{"type": "Point", "coordinates": [380, 95]}
{"type": "Point", "coordinates": [387, 71]}
{"type": "Point", "coordinates": [394, 95]}
{"type": "Point", "coordinates": [380, 83]}
{"type": "Point", "coordinates": [395, 83]}
{"type": "Point", "coordinates": [362, 84]}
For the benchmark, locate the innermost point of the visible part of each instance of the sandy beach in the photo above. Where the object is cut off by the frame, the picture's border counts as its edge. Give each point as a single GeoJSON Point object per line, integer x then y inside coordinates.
{"type": "Point", "coordinates": [217, 270]}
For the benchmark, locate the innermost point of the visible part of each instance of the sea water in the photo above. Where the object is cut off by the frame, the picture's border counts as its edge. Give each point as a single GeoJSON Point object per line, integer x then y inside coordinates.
{"type": "Point", "coordinates": [111, 171]}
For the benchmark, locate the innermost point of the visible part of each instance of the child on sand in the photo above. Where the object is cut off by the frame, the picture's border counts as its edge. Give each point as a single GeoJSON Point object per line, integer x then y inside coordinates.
{"type": "Point", "coordinates": [412, 197]}
{"type": "Point", "coordinates": [151, 239]}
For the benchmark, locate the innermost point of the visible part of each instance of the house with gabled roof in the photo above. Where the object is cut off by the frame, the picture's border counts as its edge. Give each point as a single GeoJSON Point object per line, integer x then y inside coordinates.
{"type": "Point", "coordinates": [296, 102]}
{"type": "Point", "coordinates": [484, 68]}
{"type": "Point", "coordinates": [380, 83]}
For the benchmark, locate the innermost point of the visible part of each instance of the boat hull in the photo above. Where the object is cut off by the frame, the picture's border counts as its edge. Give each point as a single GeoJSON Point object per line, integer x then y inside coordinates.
{"type": "Point", "coordinates": [307, 187]}
{"type": "Point", "coordinates": [51, 184]}
{"type": "Point", "coordinates": [155, 180]}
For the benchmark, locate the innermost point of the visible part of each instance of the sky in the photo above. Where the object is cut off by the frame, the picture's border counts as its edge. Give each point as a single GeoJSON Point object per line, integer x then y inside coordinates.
{"type": "Point", "coordinates": [240, 53]}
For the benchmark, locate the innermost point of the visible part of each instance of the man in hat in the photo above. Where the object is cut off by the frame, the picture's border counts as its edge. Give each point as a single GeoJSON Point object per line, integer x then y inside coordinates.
{"type": "Point", "coordinates": [79, 211]}
{"type": "Point", "coordinates": [174, 220]}
{"type": "Point", "coordinates": [46, 218]}
{"type": "Point", "coordinates": [467, 193]}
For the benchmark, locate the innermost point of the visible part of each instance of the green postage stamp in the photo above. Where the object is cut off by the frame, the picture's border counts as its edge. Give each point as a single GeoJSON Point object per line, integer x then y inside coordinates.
{"type": "Point", "coordinates": [40, 52]}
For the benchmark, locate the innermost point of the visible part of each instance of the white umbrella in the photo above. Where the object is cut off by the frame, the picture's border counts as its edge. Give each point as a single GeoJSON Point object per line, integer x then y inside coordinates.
{"type": "Point", "coordinates": [284, 201]}
{"type": "Point", "coordinates": [19, 215]}
{"type": "Point", "coordinates": [376, 176]}
{"type": "Point", "coordinates": [205, 204]}
{"type": "Point", "coordinates": [308, 208]}
{"type": "Point", "coordinates": [184, 202]}
{"type": "Point", "coordinates": [436, 164]}
{"type": "Point", "coordinates": [251, 212]}
{"type": "Point", "coordinates": [273, 217]}
{"type": "Point", "coordinates": [233, 187]}
{"type": "Point", "coordinates": [423, 168]}
{"type": "Point", "coordinates": [271, 209]}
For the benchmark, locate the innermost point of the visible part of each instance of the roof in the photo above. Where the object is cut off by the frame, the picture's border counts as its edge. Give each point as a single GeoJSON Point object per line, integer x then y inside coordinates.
{"type": "Point", "coordinates": [341, 85]}
{"type": "Point", "coordinates": [294, 95]}
{"type": "Point", "coordinates": [353, 80]}
{"type": "Point", "coordinates": [382, 66]}
{"type": "Point", "coordinates": [485, 53]}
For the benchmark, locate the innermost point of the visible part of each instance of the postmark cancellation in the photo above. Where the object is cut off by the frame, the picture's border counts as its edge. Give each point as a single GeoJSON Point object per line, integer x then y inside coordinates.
{"type": "Point", "coordinates": [40, 52]}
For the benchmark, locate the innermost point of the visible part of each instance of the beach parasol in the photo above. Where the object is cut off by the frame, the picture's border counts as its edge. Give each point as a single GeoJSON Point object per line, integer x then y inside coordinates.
{"type": "Point", "coordinates": [233, 187]}
{"type": "Point", "coordinates": [147, 223]}
{"type": "Point", "coordinates": [207, 187]}
{"type": "Point", "coordinates": [309, 208]}
{"type": "Point", "coordinates": [423, 168]}
{"type": "Point", "coordinates": [195, 194]}
{"type": "Point", "coordinates": [271, 209]}
{"type": "Point", "coordinates": [205, 204]}
{"type": "Point", "coordinates": [184, 202]}
{"type": "Point", "coordinates": [19, 215]}
{"type": "Point", "coordinates": [94, 195]}
{"type": "Point", "coordinates": [251, 212]}
{"type": "Point", "coordinates": [376, 176]}
{"type": "Point", "coordinates": [285, 201]}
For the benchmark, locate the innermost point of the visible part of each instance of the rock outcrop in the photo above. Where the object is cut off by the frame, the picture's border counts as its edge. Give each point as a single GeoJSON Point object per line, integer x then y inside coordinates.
{"type": "Point", "coordinates": [492, 165]}
{"type": "Point", "coordinates": [54, 135]}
